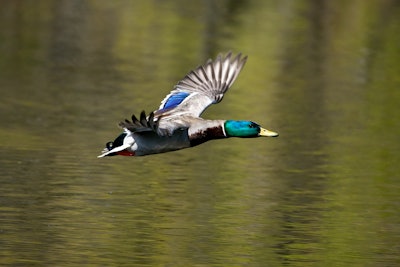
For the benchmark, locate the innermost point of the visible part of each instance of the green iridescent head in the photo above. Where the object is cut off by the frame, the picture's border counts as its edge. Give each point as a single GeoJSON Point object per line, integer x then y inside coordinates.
{"type": "Point", "coordinates": [246, 129]}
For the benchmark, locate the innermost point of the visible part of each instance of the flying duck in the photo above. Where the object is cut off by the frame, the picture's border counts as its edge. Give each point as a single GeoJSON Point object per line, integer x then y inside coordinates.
{"type": "Point", "coordinates": [177, 123]}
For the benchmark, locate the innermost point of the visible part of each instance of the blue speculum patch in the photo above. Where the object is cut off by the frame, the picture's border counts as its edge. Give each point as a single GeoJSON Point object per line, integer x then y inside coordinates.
{"type": "Point", "coordinates": [175, 99]}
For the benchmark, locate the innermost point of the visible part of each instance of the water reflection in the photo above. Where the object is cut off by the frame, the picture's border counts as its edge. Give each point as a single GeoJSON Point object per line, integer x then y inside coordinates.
{"type": "Point", "coordinates": [322, 74]}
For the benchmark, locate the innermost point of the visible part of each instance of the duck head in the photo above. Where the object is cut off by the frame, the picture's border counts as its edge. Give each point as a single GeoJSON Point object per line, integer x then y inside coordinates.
{"type": "Point", "coordinates": [246, 129]}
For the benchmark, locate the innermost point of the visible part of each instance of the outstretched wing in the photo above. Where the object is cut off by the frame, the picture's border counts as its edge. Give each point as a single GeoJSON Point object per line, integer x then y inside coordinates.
{"type": "Point", "coordinates": [202, 87]}
{"type": "Point", "coordinates": [199, 89]}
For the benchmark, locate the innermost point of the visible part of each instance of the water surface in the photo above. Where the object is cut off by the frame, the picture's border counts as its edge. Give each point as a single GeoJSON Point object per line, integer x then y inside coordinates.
{"type": "Point", "coordinates": [325, 75]}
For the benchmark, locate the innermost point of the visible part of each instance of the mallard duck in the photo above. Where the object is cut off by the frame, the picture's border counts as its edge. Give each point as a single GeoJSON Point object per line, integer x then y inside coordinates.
{"type": "Point", "coordinates": [177, 123]}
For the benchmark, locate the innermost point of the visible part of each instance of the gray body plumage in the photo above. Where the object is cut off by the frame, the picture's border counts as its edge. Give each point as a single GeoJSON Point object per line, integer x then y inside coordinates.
{"type": "Point", "coordinates": [152, 143]}
{"type": "Point", "coordinates": [199, 132]}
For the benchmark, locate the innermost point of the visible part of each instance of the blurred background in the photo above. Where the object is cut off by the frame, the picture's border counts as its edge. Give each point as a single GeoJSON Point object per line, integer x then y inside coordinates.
{"type": "Point", "coordinates": [324, 74]}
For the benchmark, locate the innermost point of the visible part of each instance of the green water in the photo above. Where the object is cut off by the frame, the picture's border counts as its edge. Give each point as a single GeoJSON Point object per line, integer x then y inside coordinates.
{"type": "Point", "coordinates": [324, 74]}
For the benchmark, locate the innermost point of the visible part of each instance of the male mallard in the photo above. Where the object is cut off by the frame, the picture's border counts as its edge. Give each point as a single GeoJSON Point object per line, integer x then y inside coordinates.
{"type": "Point", "coordinates": [177, 123]}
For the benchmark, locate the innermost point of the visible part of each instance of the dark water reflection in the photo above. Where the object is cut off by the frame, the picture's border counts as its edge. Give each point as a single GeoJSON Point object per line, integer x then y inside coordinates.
{"type": "Point", "coordinates": [323, 74]}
